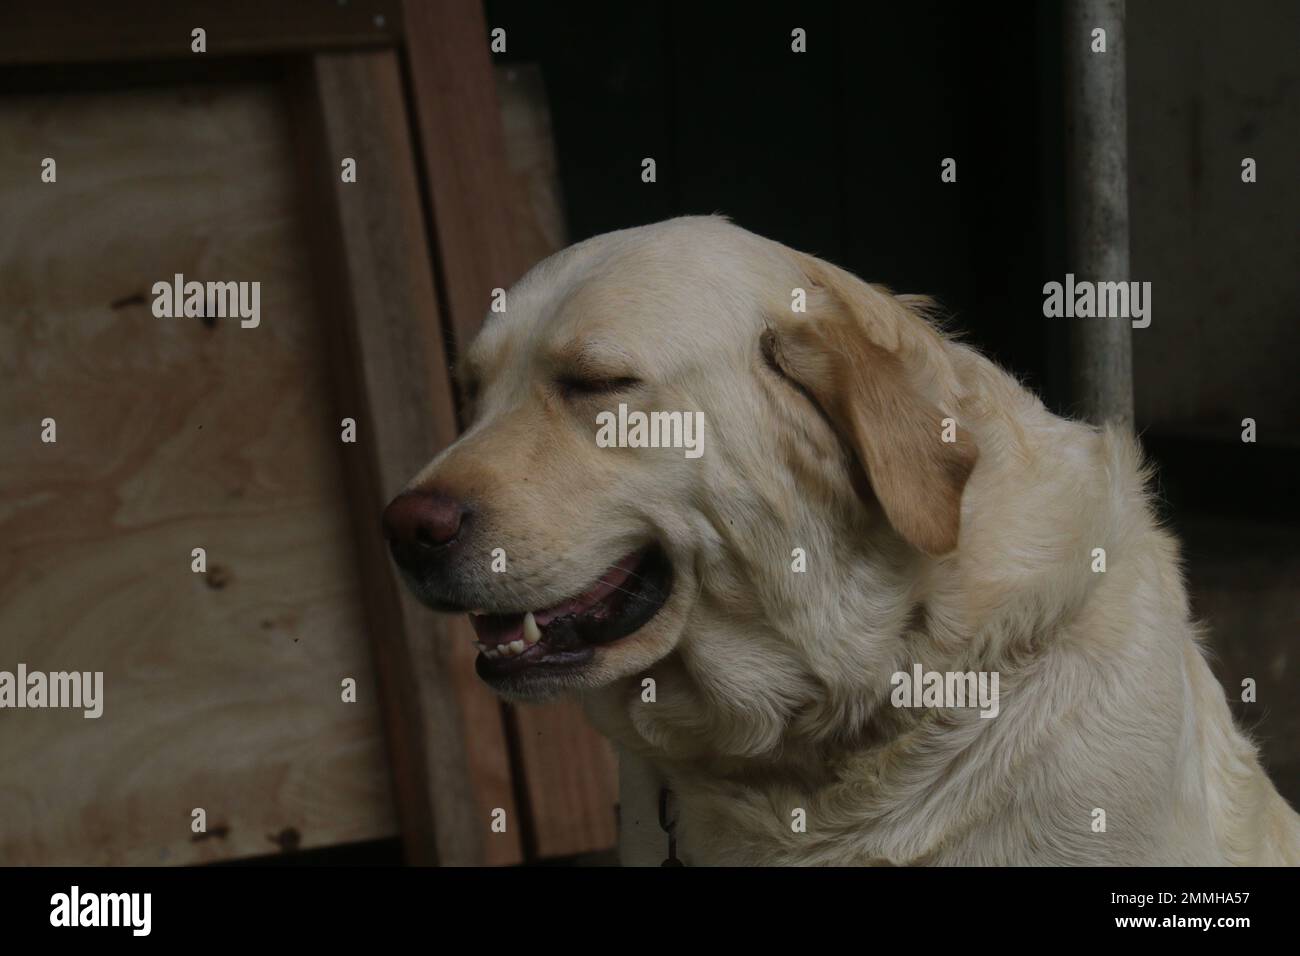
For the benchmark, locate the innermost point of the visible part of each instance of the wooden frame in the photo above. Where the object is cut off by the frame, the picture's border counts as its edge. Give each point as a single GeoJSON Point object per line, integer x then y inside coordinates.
{"type": "Point", "coordinates": [563, 765]}
{"type": "Point", "coordinates": [409, 255]}
{"type": "Point", "coordinates": [82, 31]}
{"type": "Point", "coordinates": [392, 368]}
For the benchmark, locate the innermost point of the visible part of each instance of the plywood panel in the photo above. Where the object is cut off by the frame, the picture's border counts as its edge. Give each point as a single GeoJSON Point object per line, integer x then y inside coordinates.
{"type": "Point", "coordinates": [222, 690]}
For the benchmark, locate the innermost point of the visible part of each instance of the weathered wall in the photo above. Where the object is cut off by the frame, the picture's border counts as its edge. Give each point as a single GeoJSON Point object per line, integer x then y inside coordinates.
{"type": "Point", "coordinates": [1209, 84]}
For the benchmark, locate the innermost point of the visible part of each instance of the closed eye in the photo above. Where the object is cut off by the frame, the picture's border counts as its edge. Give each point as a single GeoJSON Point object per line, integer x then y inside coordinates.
{"type": "Point", "coordinates": [574, 386]}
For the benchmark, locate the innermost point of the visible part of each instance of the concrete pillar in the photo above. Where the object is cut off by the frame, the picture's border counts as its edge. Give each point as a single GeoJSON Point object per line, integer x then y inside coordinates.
{"type": "Point", "coordinates": [1096, 143]}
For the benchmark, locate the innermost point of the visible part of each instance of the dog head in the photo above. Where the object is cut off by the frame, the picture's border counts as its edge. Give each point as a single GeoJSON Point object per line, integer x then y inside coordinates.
{"type": "Point", "coordinates": [661, 421]}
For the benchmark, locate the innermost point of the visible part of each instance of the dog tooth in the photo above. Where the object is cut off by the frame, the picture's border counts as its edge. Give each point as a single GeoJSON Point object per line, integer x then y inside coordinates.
{"type": "Point", "coordinates": [492, 653]}
{"type": "Point", "coordinates": [517, 647]}
{"type": "Point", "coordinates": [480, 646]}
{"type": "Point", "coordinates": [532, 633]}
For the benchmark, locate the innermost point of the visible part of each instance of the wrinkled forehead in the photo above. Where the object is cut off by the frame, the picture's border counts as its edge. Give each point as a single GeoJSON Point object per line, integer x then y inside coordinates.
{"type": "Point", "coordinates": [643, 302]}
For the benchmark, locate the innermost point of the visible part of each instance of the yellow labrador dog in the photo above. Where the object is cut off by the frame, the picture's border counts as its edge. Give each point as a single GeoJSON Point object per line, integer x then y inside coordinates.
{"type": "Point", "coordinates": [831, 578]}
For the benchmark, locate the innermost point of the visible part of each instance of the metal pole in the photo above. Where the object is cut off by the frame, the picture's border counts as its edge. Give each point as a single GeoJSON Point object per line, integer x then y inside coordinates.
{"type": "Point", "coordinates": [1096, 143]}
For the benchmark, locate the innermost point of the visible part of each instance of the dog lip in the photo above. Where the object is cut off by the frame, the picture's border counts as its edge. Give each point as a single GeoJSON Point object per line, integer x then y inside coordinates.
{"type": "Point", "coordinates": [609, 582]}
{"type": "Point", "coordinates": [530, 662]}
{"type": "Point", "coordinates": [619, 603]}
{"type": "Point", "coordinates": [496, 629]}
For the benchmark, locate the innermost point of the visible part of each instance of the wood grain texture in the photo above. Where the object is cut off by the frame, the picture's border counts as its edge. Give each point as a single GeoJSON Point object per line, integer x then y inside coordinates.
{"type": "Point", "coordinates": [470, 188]}
{"type": "Point", "coordinates": [446, 730]}
{"type": "Point", "coordinates": [572, 777]}
{"type": "Point", "coordinates": [222, 690]}
{"type": "Point", "coordinates": [66, 31]}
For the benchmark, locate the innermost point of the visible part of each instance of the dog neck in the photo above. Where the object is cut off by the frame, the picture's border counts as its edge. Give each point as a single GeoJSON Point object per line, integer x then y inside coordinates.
{"type": "Point", "coordinates": [788, 701]}
{"type": "Point", "coordinates": [751, 710]}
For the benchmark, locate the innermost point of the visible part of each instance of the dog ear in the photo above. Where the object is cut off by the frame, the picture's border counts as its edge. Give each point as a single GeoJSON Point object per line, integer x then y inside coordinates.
{"type": "Point", "coordinates": [858, 353]}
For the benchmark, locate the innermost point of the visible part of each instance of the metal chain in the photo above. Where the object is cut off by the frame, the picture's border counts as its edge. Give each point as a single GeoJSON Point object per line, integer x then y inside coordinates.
{"type": "Point", "coordinates": [668, 823]}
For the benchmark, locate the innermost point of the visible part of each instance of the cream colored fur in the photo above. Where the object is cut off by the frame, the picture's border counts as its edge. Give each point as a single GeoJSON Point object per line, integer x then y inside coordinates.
{"type": "Point", "coordinates": [772, 686]}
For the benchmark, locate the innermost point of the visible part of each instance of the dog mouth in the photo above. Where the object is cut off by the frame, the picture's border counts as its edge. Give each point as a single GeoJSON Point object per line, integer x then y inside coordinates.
{"type": "Point", "coordinates": [620, 602]}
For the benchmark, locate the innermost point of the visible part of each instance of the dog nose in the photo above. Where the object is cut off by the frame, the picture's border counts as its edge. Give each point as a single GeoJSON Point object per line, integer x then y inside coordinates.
{"type": "Point", "coordinates": [418, 523]}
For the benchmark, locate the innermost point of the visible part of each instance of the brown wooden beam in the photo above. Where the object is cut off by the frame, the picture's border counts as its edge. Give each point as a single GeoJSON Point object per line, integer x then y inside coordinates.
{"type": "Point", "coordinates": [464, 156]}
{"type": "Point", "coordinates": [567, 768]}
{"type": "Point", "coordinates": [571, 775]}
{"type": "Point", "coordinates": [379, 302]}
{"type": "Point", "coordinates": [88, 31]}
